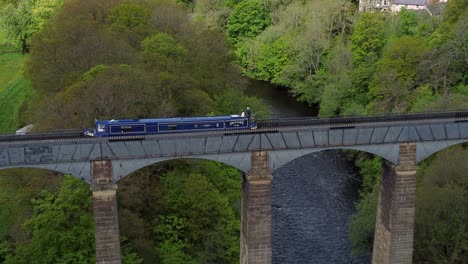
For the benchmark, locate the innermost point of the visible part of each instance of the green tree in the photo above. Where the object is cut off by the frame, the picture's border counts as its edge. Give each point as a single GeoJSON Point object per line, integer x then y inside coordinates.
{"type": "Point", "coordinates": [183, 68]}
{"type": "Point", "coordinates": [367, 42]}
{"type": "Point", "coordinates": [189, 3]}
{"type": "Point", "coordinates": [26, 17]}
{"type": "Point", "coordinates": [266, 60]}
{"type": "Point", "coordinates": [447, 65]}
{"type": "Point", "coordinates": [424, 98]}
{"type": "Point", "coordinates": [58, 59]}
{"type": "Point", "coordinates": [338, 81]}
{"type": "Point", "coordinates": [362, 223]}
{"type": "Point", "coordinates": [17, 188]}
{"type": "Point", "coordinates": [441, 232]}
{"type": "Point", "coordinates": [454, 11]}
{"type": "Point", "coordinates": [5, 251]}
{"type": "Point", "coordinates": [247, 20]}
{"type": "Point", "coordinates": [233, 102]}
{"type": "Point", "coordinates": [101, 93]}
{"type": "Point", "coordinates": [140, 200]}
{"type": "Point", "coordinates": [173, 252]}
{"type": "Point", "coordinates": [368, 38]}
{"type": "Point", "coordinates": [200, 223]}
{"type": "Point", "coordinates": [61, 227]}
{"type": "Point", "coordinates": [129, 256]}
{"type": "Point", "coordinates": [441, 216]}
{"type": "Point", "coordinates": [130, 20]}
{"type": "Point", "coordinates": [6, 2]}
{"type": "Point", "coordinates": [163, 52]}
{"type": "Point", "coordinates": [128, 16]}
{"type": "Point", "coordinates": [396, 74]}
{"type": "Point", "coordinates": [173, 247]}
{"type": "Point", "coordinates": [330, 101]}
{"type": "Point", "coordinates": [404, 23]}
{"type": "Point", "coordinates": [154, 217]}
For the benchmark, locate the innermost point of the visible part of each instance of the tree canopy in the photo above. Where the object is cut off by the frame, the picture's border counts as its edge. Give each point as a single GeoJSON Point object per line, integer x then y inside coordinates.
{"type": "Point", "coordinates": [300, 43]}
{"type": "Point", "coordinates": [93, 58]}
{"type": "Point", "coordinates": [22, 18]}
{"type": "Point", "coordinates": [61, 227]}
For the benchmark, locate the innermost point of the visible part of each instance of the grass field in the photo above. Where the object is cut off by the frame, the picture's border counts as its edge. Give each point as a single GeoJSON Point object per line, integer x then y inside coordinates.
{"type": "Point", "coordinates": [15, 90]}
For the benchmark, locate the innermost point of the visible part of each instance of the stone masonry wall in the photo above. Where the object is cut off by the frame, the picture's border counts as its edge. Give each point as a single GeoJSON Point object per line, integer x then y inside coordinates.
{"type": "Point", "coordinates": [106, 219]}
{"type": "Point", "coordinates": [256, 212]}
{"type": "Point", "coordinates": [394, 230]}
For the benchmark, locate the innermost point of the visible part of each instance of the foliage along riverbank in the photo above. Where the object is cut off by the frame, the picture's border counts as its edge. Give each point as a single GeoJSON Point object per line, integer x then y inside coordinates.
{"type": "Point", "coordinates": [352, 63]}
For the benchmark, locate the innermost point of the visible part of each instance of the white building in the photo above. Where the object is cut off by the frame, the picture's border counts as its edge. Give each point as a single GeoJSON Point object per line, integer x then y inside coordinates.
{"type": "Point", "coordinates": [374, 5]}
{"type": "Point", "coordinates": [417, 5]}
{"type": "Point", "coordinates": [396, 5]}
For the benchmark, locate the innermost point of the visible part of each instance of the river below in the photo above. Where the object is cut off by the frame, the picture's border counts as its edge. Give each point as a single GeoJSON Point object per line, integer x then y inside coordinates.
{"type": "Point", "coordinates": [312, 197]}
{"type": "Point", "coordinates": [282, 105]}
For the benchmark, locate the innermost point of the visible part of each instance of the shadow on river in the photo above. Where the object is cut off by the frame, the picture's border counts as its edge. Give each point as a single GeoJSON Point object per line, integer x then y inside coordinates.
{"type": "Point", "coordinates": [312, 197]}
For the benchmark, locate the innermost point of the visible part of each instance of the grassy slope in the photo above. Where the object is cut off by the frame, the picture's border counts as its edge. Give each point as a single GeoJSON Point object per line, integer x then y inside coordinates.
{"type": "Point", "coordinates": [15, 90]}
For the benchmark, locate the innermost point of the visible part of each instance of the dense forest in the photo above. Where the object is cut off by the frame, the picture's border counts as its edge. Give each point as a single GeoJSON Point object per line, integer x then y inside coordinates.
{"type": "Point", "coordinates": [77, 60]}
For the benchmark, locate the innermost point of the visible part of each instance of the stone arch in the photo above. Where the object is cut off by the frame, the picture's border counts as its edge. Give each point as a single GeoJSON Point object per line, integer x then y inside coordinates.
{"type": "Point", "coordinates": [388, 152]}
{"type": "Point", "coordinates": [124, 167]}
{"type": "Point", "coordinates": [426, 149]}
{"type": "Point", "coordinates": [81, 170]}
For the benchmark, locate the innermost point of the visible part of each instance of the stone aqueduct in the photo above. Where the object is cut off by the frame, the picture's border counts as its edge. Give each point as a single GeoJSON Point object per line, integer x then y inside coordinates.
{"type": "Point", "coordinates": [102, 162]}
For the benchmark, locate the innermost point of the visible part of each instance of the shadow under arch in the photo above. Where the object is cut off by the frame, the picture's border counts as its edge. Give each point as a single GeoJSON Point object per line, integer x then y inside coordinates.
{"type": "Point", "coordinates": [25, 174]}
{"type": "Point", "coordinates": [123, 168]}
{"type": "Point", "coordinates": [389, 152]}
{"type": "Point", "coordinates": [80, 170]}
{"type": "Point", "coordinates": [425, 150]}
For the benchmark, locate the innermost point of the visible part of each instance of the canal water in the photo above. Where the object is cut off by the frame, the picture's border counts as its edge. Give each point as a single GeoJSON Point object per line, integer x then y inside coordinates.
{"type": "Point", "coordinates": [312, 197]}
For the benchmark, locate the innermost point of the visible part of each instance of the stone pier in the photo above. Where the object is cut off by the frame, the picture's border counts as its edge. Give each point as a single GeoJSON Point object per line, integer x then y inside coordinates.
{"type": "Point", "coordinates": [394, 229]}
{"type": "Point", "coordinates": [255, 235]}
{"type": "Point", "coordinates": [106, 219]}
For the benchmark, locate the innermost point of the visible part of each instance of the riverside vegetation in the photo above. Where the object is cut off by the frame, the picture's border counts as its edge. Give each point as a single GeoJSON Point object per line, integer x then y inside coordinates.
{"type": "Point", "coordinates": [114, 59]}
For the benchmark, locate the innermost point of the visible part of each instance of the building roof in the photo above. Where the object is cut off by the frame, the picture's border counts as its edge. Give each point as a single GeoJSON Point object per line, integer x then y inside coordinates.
{"type": "Point", "coordinates": [409, 2]}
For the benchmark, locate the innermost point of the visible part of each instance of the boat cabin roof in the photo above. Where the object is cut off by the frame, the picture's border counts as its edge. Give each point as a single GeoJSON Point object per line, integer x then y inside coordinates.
{"type": "Point", "coordinates": [171, 119]}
